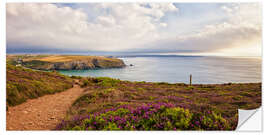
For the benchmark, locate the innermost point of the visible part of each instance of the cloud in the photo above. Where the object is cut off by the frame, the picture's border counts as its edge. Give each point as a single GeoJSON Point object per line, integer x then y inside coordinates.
{"type": "Point", "coordinates": [123, 26]}
{"type": "Point", "coordinates": [133, 27]}
{"type": "Point", "coordinates": [241, 30]}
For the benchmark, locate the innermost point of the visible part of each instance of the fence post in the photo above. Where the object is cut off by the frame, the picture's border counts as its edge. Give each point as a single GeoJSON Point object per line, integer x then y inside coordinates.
{"type": "Point", "coordinates": [190, 79]}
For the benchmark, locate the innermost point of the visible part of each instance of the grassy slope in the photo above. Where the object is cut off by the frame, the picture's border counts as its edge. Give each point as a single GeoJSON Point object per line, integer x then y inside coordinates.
{"type": "Point", "coordinates": [23, 84]}
{"type": "Point", "coordinates": [106, 93]}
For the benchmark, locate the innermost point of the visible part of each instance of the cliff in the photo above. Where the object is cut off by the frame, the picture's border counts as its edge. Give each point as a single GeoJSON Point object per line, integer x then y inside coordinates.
{"type": "Point", "coordinates": [67, 62]}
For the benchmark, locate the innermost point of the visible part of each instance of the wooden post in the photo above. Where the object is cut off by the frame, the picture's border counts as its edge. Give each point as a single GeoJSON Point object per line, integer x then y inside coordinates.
{"type": "Point", "coordinates": [190, 79]}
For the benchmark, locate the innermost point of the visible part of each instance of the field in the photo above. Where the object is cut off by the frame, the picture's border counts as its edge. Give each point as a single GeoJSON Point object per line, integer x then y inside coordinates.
{"type": "Point", "coordinates": [111, 104]}
{"type": "Point", "coordinates": [56, 58]}
{"type": "Point", "coordinates": [64, 62]}
{"type": "Point", "coordinates": [66, 58]}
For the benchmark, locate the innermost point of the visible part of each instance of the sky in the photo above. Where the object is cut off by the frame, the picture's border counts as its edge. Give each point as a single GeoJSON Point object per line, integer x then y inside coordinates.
{"type": "Point", "coordinates": [219, 29]}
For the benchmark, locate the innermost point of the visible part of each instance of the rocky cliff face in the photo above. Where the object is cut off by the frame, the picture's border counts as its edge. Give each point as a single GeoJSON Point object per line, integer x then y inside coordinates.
{"type": "Point", "coordinates": [94, 63]}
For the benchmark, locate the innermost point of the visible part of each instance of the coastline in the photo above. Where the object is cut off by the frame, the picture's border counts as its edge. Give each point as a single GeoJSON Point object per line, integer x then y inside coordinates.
{"type": "Point", "coordinates": [101, 94]}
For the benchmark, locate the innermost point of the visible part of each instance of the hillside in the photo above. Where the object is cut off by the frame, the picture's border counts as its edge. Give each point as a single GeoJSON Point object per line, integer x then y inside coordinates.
{"type": "Point", "coordinates": [64, 62]}
{"type": "Point", "coordinates": [23, 84]}
{"type": "Point", "coordinates": [111, 104]}
{"type": "Point", "coordinates": [104, 103]}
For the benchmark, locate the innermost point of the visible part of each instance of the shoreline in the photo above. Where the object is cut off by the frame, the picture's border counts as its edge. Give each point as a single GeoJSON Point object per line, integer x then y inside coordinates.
{"type": "Point", "coordinates": [67, 67]}
{"type": "Point", "coordinates": [70, 75]}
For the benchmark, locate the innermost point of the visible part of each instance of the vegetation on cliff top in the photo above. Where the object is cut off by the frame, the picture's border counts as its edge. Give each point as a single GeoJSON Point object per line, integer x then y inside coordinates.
{"type": "Point", "coordinates": [23, 84]}
{"type": "Point", "coordinates": [64, 62]}
{"type": "Point", "coordinates": [111, 104]}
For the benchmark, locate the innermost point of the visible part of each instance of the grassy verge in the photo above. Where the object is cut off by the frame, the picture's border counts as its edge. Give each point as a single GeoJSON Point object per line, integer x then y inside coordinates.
{"type": "Point", "coordinates": [23, 84]}
{"type": "Point", "coordinates": [111, 104]}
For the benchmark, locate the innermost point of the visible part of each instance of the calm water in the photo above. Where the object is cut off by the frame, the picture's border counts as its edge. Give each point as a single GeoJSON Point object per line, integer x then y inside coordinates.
{"type": "Point", "coordinates": [177, 69]}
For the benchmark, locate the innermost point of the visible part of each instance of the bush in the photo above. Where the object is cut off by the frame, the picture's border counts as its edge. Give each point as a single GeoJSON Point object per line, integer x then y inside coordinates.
{"type": "Point", "coordinates": [190, 88]}
{"type": "Point", "coordinates": [179, 116]}
{"type": "Point", "coordinates": [209, 120]}
{"type": "Point", "coordinates": [76, 77]}
{"type": "Point", "coordinates": [237, 97]}
{"type": "Point", "coordinates": [246, 94]}
{"type": "Point", "coordinates": [151, 116]}
{"type": "Point", "coordinates": [85, 83]}
{"type": "Point", "coordinates": [87, 98]}
{"type": "Point", "coordinates": [107, 82]}
{"type": "Point", "coordinates": [77, 128]}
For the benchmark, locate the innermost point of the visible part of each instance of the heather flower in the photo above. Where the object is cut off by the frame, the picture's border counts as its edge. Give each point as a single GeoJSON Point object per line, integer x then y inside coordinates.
{"type": "Point", "coordinates": [197, 123]}
{"type": "Point", "coordinates": [156, 116]}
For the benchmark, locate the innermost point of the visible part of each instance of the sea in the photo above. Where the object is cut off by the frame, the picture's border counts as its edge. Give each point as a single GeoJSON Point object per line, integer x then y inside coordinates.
{"type": "Point", "coordinates": [177, 69]}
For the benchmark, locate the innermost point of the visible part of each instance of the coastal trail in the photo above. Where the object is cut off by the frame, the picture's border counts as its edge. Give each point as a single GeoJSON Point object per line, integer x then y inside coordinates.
{"type": "Point", "coordinates": [42, 113]}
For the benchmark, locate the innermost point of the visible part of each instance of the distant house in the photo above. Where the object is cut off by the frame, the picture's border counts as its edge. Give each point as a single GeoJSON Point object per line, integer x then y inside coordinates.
{"type": "Point", "coordinates": [19, 62]}
{"type": "Point", "coordinates": [110, 56]}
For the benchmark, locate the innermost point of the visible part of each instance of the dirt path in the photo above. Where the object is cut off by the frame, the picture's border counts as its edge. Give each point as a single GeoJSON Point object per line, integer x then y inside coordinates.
{"type": "Point", "coordinates": [43, 113]}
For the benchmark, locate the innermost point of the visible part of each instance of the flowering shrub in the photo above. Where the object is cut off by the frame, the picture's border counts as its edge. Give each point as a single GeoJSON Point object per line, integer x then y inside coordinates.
{"type": "Point", "coordinates": [209, 121]}
{"type": "Point", "coordinates": [151, 116]}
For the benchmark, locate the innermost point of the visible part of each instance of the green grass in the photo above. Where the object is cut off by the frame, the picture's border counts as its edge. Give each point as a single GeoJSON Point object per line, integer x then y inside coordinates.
{"type": "Point", "coordinates": [23, 84]}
